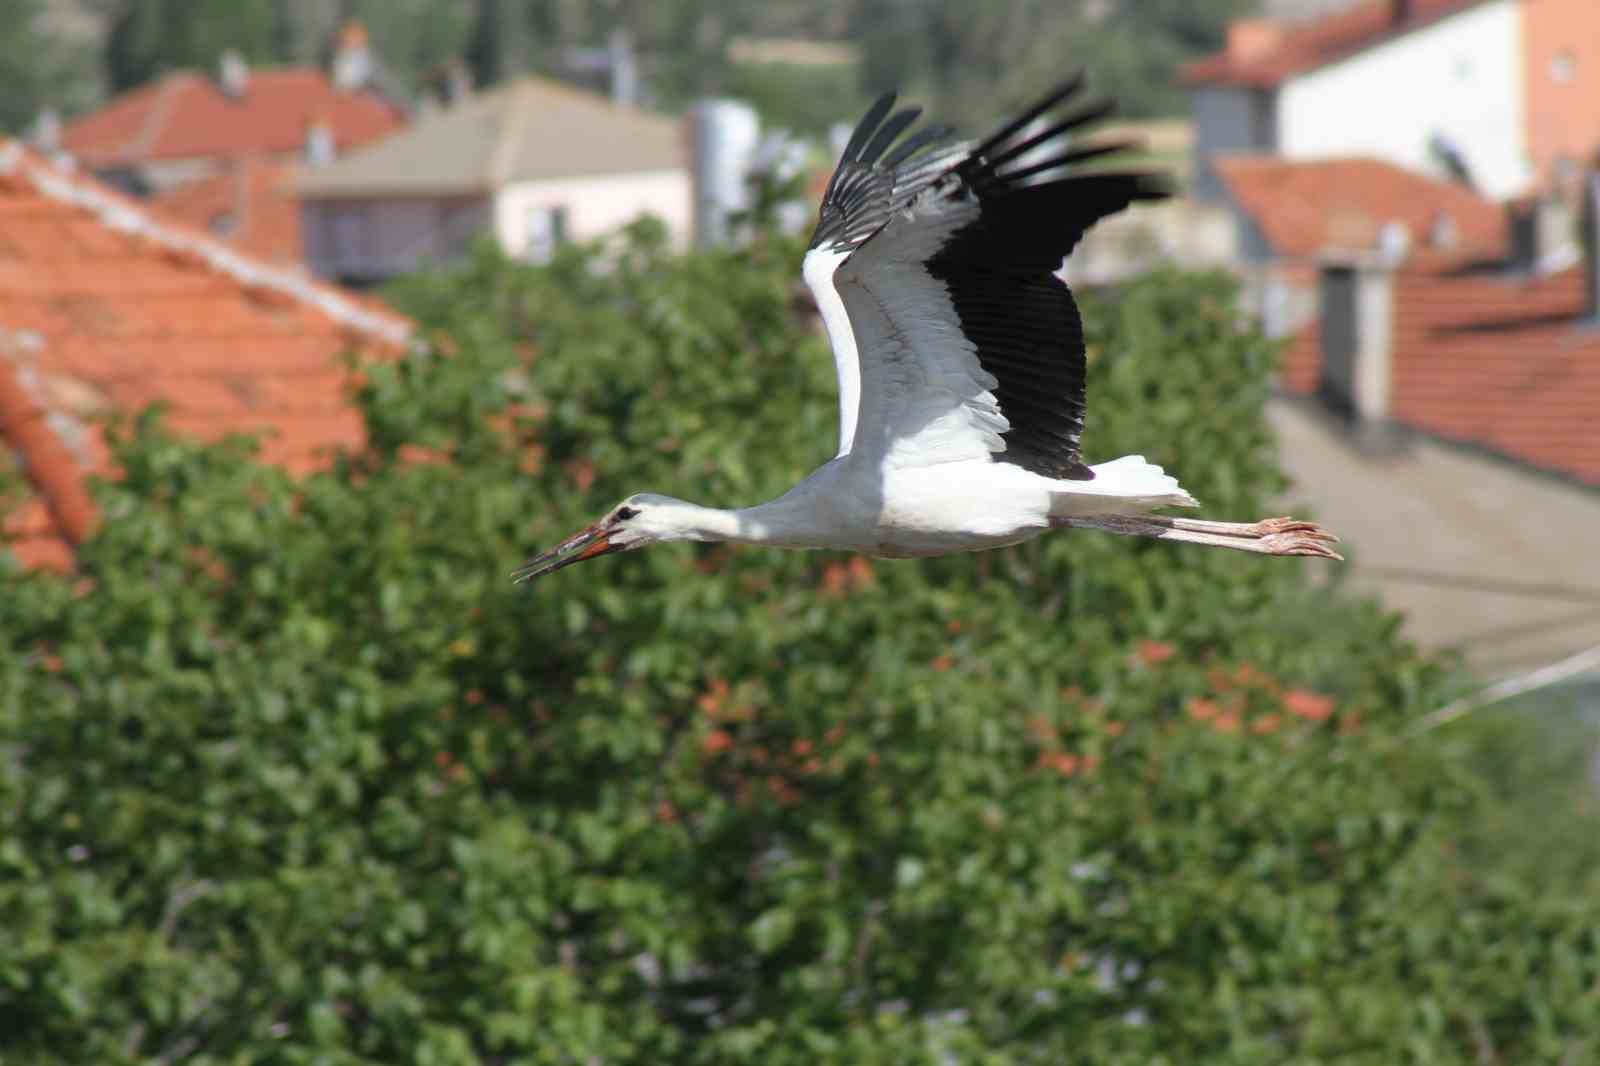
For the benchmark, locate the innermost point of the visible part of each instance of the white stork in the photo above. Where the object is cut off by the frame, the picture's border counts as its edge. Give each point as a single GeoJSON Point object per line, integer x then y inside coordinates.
{"type": "Point", "coordinates": [960, 357]}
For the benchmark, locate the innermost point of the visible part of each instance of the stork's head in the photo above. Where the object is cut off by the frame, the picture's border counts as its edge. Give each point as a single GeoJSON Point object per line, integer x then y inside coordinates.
{"type": "Point", "coordinates": [640, 520]}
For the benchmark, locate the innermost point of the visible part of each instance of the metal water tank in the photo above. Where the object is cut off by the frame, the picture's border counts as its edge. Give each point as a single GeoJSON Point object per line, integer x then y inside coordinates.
{"type": "Point", "coordinates": [725, 135]}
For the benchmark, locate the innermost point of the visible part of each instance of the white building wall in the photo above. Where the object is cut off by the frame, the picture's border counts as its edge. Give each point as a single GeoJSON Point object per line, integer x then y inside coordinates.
{"type": "Point", "coordinates": [596, 205]}
{"type": "Point", "coordinates": [1461, 77]}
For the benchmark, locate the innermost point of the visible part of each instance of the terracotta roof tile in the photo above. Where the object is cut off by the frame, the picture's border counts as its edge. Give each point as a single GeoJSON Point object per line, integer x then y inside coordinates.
{"type": "Point", "coordinates": [1304, 208]}
{"type": "Point", "coordinates": [1489, 359]}
{"type": "Point", "coordinates": [185, 115]}
{"type": "Point", "coordinates": [252, 206]}
{"type": "Point", "coordinates": [104, 306]}
{"type": "Point", "coordinates": [1266, 53]}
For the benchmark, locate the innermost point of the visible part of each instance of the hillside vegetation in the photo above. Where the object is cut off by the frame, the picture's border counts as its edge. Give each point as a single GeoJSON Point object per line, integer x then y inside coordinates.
{"type": "Point", "coordinates": [969, 61]}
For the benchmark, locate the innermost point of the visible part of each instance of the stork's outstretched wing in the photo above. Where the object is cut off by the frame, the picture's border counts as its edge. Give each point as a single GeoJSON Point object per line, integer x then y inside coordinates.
{"type": "Point", "coordinates": [934, 266]}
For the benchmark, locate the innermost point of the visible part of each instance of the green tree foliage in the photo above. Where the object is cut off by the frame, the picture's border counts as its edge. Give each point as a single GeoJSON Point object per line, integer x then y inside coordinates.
{"type": "Point", "coordinates": [1538, 757]}
{"type": "Point", "coordinates": [290, 773]}
{"type": "Point", "coordinates": [1135, 53]}
{"type": "Point", "coordinates": [967, 55]}
{"type": "Point", "coordinates": [961, 57]}
{"type": "Point", "coordinates": [147, 38]}
{"type": "Point", "coordinates": [35, 71]}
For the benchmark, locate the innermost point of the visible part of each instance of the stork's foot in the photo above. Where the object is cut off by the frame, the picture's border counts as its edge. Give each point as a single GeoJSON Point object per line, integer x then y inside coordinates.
{"type": "Point", "coordinates": [1269, 536]}
{"type": "Point", "coordinates": [1313, 541]}
{"type": "Point", "coordinates": [1272, 527]}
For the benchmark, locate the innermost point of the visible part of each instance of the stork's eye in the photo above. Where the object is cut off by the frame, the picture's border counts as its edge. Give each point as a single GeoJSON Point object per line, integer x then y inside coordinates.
{"type": "Point", "coordinates": [625, 513]}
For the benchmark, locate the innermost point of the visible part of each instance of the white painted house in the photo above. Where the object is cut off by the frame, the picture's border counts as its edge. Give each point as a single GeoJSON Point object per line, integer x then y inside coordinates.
{"type": "Point", "coordinates": [533, 163]}
{"type": "Point", "coordinates": [1502, 91]}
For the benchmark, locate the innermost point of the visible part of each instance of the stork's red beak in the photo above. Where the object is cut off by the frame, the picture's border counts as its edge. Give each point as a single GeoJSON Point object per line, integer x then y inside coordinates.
{"type": "Point", "coordinates": [586, 544]}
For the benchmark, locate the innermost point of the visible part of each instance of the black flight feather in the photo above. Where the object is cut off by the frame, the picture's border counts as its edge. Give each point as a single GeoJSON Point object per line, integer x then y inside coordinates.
{"type": "Point", "coordinates": [999, 269]}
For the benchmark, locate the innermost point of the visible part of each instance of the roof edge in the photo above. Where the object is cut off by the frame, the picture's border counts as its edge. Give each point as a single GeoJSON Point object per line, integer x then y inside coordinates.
{"type": "Point", "coordinates": [124, 215]}
{"type": "Point", "coordinates": [1217, 71]}
{"type": "Point", "coordinates": [46, 459]}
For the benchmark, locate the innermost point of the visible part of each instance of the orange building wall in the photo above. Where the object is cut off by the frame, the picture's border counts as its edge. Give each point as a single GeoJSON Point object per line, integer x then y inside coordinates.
{"type": "Point", "coordinates": [1563, 115]}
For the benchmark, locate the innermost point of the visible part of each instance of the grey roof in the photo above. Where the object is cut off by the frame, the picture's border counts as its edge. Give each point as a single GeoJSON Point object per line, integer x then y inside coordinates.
{"type": "Point", "coordinates": [528, 130]}
{"type": "Point", "coordinates": [1483, 555]}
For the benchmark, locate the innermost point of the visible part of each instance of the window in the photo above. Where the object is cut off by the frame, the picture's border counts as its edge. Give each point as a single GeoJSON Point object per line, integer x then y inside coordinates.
{"type": "Point", "coordinates": [546, 230]}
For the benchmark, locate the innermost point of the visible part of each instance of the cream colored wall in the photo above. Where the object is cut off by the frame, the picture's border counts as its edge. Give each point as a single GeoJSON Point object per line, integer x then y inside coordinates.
{"type": "Point", "coordinates": [597, 205]}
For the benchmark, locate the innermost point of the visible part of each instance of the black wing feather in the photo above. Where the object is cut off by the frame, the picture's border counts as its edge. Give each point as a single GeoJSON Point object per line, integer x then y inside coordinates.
{"type": "Point", "coordinates": [866, 188]}
{"type": "Point", "coordinates": [1000, 269]}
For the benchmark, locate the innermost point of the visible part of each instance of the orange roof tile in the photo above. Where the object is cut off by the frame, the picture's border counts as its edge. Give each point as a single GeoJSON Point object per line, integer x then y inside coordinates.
{"type": "Point", "coordinates": [1481, 357]}
{"type": "Point", "coordinates": [185, 115]}
{"type": "Point", "coordinates": [106, 306]}
{"type": "Point", "coordinates": [1303, 208]}
{"type": "Point", "coordinates": [251, 205]}
{"type": "Point", "coordinates": [1264, 54]}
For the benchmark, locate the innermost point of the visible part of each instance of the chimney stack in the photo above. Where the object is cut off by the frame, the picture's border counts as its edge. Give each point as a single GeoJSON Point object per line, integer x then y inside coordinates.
{"type": "Point", "coordinates": [353, 63]}
{"type": "Point", "coordinates": [1539, 232]}
{"type": "Point", "coordinates": [624, 68]}
{"type": "Point", "coordinates": [46, 132]}
{"type": "Point", "coordinates": [320, 147]}
{"type": "Point", "coordinates": [457, 83]}
{"type": "Point", "coordinates": [1357, 340]}
{"type": "Point", "coordinates": [1591, 242]}
{"type": "Point", "coordinates": [233, 74]}
{"type": "Point", "coordinates": [1250, 39]}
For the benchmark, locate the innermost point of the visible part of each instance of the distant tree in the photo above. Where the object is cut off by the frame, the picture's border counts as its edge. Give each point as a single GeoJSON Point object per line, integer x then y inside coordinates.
{"type": "Point", "coordinates": [971, 58]}
{"type": "Point", "coordinates": [35, 71]}
{"type": "Point", "coordinates": [500, 46]}
{"type": "Point", "coordinates": [150, 37]}
{"type": "Point", "coordinates": [1135, 52]}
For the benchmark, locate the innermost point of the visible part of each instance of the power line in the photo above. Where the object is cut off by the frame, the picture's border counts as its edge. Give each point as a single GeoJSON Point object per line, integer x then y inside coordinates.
{"type": "Point", "coordinates": [1544, 677]}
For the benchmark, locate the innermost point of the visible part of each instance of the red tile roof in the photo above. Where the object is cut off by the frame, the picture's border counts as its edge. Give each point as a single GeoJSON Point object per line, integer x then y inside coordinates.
{"type": "Point", "coordinates": [1501, 362]}
{"type": "Point", "coordinates": [185, 115]}
{"type": "Point", "coordinates": [1304, 208]}
{"type": "Point", "coordinates": [251, 205]}
{"type": "Point", "coordinates": [1264, 54]}
{"type": "Point", "coordinates": [104, 306]}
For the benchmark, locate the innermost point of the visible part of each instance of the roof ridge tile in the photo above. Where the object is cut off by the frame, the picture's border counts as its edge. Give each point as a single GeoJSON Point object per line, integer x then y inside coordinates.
{"type": "Point", "coordinates": [123, 215]}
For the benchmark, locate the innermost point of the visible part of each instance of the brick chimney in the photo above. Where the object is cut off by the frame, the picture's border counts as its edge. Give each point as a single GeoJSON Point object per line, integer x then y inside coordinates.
{"type": "Point", "coordinates": [1357, 340]}
{"type": "Point", "coordinates": [1400, 11]}
{"type": "Point", "coordinates": [1250, 39]}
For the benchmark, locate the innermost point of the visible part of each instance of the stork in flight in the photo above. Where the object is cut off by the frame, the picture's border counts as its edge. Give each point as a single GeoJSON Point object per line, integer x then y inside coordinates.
{"type": "Point", "coordinates": [960, 357]}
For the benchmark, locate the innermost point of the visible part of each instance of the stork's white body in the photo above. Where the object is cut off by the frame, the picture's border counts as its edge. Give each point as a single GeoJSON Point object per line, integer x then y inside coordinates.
{"type": "Point", "coordinates": [856, 503]}
{"type": "Point", "coordinates": [960, 360]}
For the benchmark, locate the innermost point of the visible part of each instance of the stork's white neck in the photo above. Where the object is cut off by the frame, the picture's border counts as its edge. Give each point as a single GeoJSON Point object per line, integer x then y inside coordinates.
{"type": "Point", "coordinates": [788, 521]}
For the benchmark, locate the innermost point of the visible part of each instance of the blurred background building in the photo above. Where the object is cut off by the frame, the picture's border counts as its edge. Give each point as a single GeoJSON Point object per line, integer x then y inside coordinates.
{"type": "Point", "coordinates": [534, 163]}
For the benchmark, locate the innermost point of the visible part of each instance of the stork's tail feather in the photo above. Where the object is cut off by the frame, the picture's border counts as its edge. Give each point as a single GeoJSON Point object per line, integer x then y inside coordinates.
{"type": "Point", "coordinates": [1129, 485]}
